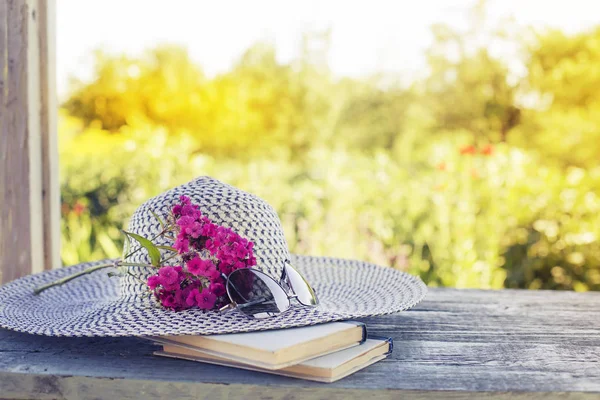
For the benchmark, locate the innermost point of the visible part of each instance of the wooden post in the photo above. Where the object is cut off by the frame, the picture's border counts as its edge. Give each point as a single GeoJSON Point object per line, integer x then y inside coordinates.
{"type": "Point", "coordinates": [29, 188]}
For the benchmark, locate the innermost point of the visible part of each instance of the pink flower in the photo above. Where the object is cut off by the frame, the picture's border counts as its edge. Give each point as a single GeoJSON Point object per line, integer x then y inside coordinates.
{"type": "Point", "coordinates": [182, 245]}
{"type": "Point", "coordinates": [239, 265]}
{"type": "Point", "coordinates": [205, 299]}
{"type": "Point", "coordinates": [215, 243]}
{"type": "Point", "coordinates": [177, 210]}
{"type": "Point", "coordinates": [181, 297]}
{"type": "Point", "coordinates": [225, 268]}
{"type": "Point", "coordinates": [171, 286]}
{"type": "Point", "coordinates": [213, 274]}
{"type": "Point", "coordinates": [185, 221]}
{"type": "Point", "coordinates": [195, 266]}
{"type": "Point", "coordinates": [182, 287]}
{"type": "Point", "coordinates": [217, 288]}
{"type": "Point", "coordinates": [191, 298]}
{"type": "Point", "coordinates": [208, 229]}
{"type": "Point", "coordinates": [168, 275]}
{"type": "Point", "coordinates": [184, 200]}
{"type": "Point", "coordinates": [168, 301]}
{"type": "Point", "coordinates": [209, 270]}
{"type": "Point", "coordinates": [200, 267]}
{"type": "Point", "coordinates": [153, 282]}
{"type": "Point", "coordinates": [191, 211]}
{"type": "Point", "coordinates": [240, 250]}
{"type": "Point", "coordinates": [194, 230]}
{"type": "Point", "coordinates": [180, 273]}
{"type": "Point", "coordinates": [230, 250]}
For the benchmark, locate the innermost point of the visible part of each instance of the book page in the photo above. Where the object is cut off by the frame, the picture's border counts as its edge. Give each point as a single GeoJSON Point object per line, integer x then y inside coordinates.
{"type": "Point", "coordinates": [334, 360]}
{"type": "Point", "coordinates": [283, 338]}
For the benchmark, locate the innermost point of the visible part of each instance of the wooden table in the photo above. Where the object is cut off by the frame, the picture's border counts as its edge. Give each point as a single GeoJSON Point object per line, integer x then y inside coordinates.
{"type": "Point", "coordinates": [455, 344]}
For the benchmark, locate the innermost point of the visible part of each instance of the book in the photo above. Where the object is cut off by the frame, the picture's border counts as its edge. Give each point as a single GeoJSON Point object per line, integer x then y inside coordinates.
{"type": "Point", "coordinates": [274, 349]}
{"type": "Point", "coordinates": [328, 368]}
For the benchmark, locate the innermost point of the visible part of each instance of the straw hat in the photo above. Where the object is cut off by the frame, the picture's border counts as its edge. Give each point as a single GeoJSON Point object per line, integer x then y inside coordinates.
{"type": "Point", "coordinates": [98, 305]}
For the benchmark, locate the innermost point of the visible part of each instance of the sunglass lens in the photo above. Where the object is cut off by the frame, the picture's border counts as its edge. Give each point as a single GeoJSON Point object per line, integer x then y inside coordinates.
{"type": "Point", "coordinates": [256, 294]}
{"type": "Point", "coordinates": [299, 285]}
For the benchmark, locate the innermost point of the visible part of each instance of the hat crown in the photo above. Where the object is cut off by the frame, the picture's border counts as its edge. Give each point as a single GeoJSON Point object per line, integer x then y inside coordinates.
{"type": "Point", "coordinates": [246, 214]}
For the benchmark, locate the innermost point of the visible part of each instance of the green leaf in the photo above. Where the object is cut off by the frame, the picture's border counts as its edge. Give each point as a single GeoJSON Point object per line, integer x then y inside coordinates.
{"type": "Point", "coordinates": [153, 251]}
{"type": "Point", "coordinates": [127, 248]}
{"type": "Point", "coordinates": [168, 248]}
{"type": "Point", "coordinates": [160, 221]}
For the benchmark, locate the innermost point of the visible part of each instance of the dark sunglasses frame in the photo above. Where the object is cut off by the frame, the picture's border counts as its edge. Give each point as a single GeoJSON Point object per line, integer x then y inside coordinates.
{"type": "Point", "coordinates": [286, 285]}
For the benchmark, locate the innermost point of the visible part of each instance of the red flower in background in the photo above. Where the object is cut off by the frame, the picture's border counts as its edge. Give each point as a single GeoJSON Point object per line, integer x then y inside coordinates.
{"type": "Point", "coordinates": [470, 149]}
{"type": "Point", "coordinates": [487, 150]}
{"type": "Point", "coordinates": [442, 166]}
{"type": "Point", "coordinates": [79, 208]}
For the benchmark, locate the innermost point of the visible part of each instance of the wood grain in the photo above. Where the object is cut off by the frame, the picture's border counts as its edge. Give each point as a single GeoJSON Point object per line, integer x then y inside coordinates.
{"type": "Point", "coordinates": [3, 121]}
{"type": "Point", "coordinates": [29, 199]}
{"type": "Point", "coordinates": [3, 45]}
{"type": "Point", "coordinates": [15, 220]}
{"type": "Point", "coordinates": [456, 344]}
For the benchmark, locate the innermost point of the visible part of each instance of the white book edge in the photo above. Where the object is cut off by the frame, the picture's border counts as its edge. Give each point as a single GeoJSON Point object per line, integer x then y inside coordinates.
{"type": "Point", "coordinates": [248, 361]}
{"type": "Point", "coordinates": [278, 372]}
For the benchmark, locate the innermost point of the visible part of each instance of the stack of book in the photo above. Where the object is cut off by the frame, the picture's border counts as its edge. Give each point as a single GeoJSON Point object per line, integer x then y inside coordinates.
{"type": "Point", "coordinates": [324, 353]}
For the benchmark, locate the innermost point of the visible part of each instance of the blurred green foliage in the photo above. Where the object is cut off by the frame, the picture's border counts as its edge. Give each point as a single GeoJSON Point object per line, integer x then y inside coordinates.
{"type": "Point", "coordinates": [468, 177]}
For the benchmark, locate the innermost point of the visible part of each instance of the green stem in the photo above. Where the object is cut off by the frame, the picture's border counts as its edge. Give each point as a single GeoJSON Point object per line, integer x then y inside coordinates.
{"type": "Point", "coordinates": [137, 277]}
{"type": "Point", "coordinates": [168, 258]}
{"type": "Point", "coordinates": [85, 272]}
{"type": "Point", "coordinates": [66, 279]}
{"type": "Point", "coordinates": [125, 264]}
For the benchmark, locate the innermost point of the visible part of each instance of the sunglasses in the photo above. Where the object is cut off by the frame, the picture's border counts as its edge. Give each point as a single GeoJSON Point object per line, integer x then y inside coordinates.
{"type": "Point", "coordinates": [259, 296]}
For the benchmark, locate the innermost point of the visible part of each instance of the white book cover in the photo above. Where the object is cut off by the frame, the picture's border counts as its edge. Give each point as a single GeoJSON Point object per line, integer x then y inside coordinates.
{"type": "Point", "coordinates": [271, 342]}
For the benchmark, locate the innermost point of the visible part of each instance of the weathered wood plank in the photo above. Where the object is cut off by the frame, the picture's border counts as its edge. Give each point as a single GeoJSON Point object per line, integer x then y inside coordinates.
{"type": "Point", "coordinates": [3, 44]}
{"type": "Point", "coordinates": [3, 106]}
{"type": "Point", "coordinates": [49, 133]}
{"type": "Point", "coordinates": [29, 204]}
{"type": "Point", "coordinates": [15, 244]}
{"type": "Point", "coordinates": [457, 343]}
{"type": "Point", "coordinates": [92, 388]}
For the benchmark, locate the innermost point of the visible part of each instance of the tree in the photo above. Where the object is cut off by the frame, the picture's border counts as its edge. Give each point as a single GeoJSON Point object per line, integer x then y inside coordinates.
{"type": "Point", "coordinates": [164, 87]}
{"type": "Point", "coordinates": [260, 105]}
{"type": "Point", "coordinates": [564, 80]}
{"type": "Point", "coordinates": [467, 88]}
{"type": "Point", "coordinates": [374, 118]}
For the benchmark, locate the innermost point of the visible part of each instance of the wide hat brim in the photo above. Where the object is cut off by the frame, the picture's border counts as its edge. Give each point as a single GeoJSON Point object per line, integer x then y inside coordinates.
{"type": "Point", "coordinates": [92, 305]}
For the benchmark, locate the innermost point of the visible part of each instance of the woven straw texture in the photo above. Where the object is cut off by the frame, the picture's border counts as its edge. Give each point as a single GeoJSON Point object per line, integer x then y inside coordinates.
{"type": "Point", "coordinates": [97, 305]}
